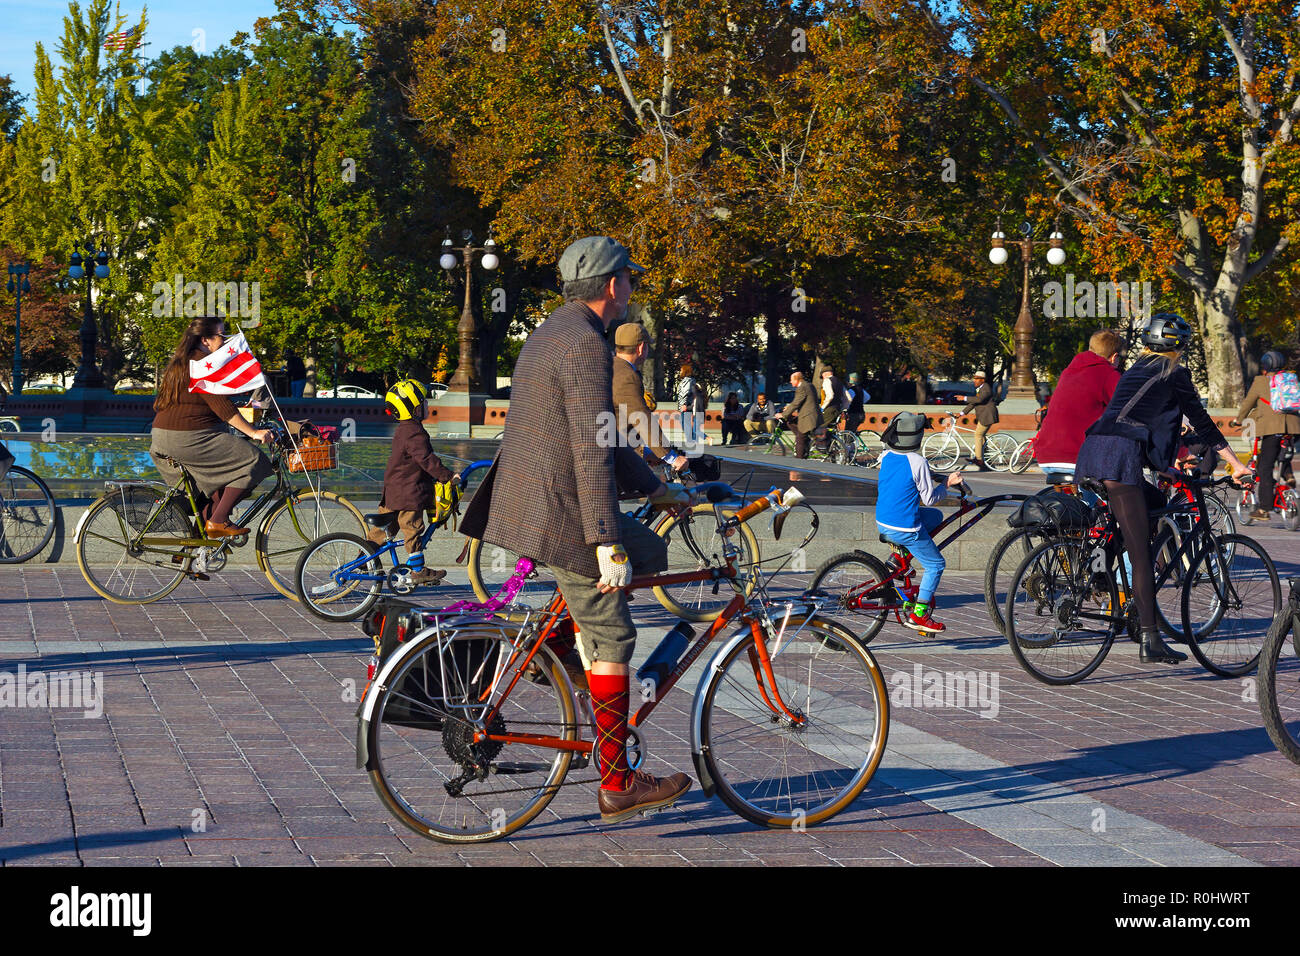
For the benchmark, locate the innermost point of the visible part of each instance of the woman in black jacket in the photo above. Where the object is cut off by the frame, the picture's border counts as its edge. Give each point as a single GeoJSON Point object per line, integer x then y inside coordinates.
{"type": "Point", "coordinates": [1141, 428]}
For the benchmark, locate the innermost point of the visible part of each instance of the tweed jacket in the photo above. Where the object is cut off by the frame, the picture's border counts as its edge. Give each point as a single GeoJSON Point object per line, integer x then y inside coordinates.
{"type": "Point", "coordinates": [412, 469]}
{"type": "Point", "coordinates": [805, 406]}
{"type": "Point", "coordinates": [629, 405]}
{"type": "Point", "coordinates": [551, 494]}
{"type": "Point", "coordinates": [1267, 421]}
{"type": "Point", "coordinates": [986, 410]}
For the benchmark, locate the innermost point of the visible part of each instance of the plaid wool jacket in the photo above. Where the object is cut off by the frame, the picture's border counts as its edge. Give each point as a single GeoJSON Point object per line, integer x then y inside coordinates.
{"type": "Point", "coordinates": [551, 494]}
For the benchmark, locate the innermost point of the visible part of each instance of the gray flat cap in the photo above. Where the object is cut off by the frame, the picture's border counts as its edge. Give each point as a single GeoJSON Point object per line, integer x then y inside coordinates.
{"type": "Point", "coordinates": [595, 256]}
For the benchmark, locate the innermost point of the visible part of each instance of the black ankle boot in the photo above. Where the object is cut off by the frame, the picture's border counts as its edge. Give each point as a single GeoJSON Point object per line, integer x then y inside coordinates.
{"type": "Point", "coordinates": [1156, 651]}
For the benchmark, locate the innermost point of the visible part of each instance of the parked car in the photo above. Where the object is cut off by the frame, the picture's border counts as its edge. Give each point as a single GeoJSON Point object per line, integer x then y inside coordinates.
{"type": "Point", "coordinates": [347, 391]}
{"type": "Point", "coordinates": [437, 390]}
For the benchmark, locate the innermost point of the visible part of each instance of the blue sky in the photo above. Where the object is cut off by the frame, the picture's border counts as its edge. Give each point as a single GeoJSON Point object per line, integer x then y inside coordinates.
{"type": "Point", "coordinates": [23, 23]}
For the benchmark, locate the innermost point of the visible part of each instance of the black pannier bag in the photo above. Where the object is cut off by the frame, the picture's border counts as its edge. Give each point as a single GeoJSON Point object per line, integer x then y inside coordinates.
{"type": "Point", "coordinates": [420, 701]}
{"type": "Point", "coordinates": [1052, 509]}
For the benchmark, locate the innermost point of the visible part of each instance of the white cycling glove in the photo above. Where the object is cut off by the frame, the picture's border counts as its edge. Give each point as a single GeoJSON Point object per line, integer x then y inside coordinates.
{"type": "Point", "coordinates": [615, 569]}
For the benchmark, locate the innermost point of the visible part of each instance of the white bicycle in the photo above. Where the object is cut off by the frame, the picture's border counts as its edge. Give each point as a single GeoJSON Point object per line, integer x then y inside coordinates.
{"type": "Point", "coordinates": [943, 448]}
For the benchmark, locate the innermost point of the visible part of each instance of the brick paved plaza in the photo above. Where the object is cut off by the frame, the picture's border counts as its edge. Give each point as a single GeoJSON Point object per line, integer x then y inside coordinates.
{"type": "Point", "coordinates": [227, 738]}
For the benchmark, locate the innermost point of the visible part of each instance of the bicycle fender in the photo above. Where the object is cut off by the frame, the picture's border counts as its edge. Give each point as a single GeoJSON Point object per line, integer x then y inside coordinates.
{"type": "Point", "coordinates": [81, 524]}
{"type": "Point", "coordinates": [367, 707]}
{"type": "Point", "coordinates": [714, 665]}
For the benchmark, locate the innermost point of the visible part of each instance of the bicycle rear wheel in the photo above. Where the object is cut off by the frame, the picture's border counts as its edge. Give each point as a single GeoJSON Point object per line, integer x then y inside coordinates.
{"type": "Point", "coordinates": [856, 581]}
{"type": "Point", "coordinates": [491, 566]}
{"type": "Point", "coordinates": [999, 449]}
{"type": "Point", "coordinates": [118, 569]}
{"type": "Point", "coordinates": [424, 762]}
{"type": "Point", "coordinates": [1228, 604]}
{"type": "Point", "coordinates": [941, 450]}
{"type": "Point", "coordinates": [1061, 614]}
{"type": "Point", "coordinates": [693, 544]}
{"type": "Point", "coordinates": [785, 770]}
{"type": "Point", "coordinates": [27, 515]}
{"type": "Point", "coordinates": [1006, 556]}
{"type": "Point", "coordinates": [1279, 684]}
{"type": "Point", "coordinates": [294, 523]}
{"type": "Point", "coordinates": [325, 594]}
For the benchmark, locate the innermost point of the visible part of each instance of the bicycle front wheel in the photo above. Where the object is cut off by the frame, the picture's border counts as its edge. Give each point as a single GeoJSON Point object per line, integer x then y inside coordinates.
{"type": "Point", "coordinates": [491, 566]}
{"type": "Point", "coordinates": [1230, 597]}
{"type": "Point", "coordinates": [1279, 684]}
{"type": "Point", "coordinates": [870, 448]}
{"type": "Point", "coordinates": [796, 748]}
{"type": "Point", "coordinates": [1023, 458]}
{"type": "Point", "coordinates": [1061, 615]}
{"type": "Point", "coordinates": [117, 567]}
{"type": "Point", "coordinates": [999, 449]}
{"type": "Point", "coordinates": [1245, 505]}
{"type": "Point", "coordinates": [294, 523]}
{"type": "Point", "coordinates": [27, 515]}
{"type": "Point", "coordinates": [1291, 510]}
{"type": "Point", "coordinates": [693, 544]}
{"type": "Point", "coordinates": [333, 595]}
{"type": "Point", "coordinates": [857, 582]}
{"type": "Point", "coordinates": [424, 762]}
{"type": "Point", "coordinates": [941, 451]}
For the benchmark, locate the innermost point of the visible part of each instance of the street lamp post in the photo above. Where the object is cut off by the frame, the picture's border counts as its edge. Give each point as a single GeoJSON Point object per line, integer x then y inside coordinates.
{"type": "Point", "coordinates": [1022, 379]}
{"type": "Point", "coordinates": [18, 284]}
{"type": "Point", "coordinates": [466, 376]}
{"type": "Point", "coordinates": [88, 373]}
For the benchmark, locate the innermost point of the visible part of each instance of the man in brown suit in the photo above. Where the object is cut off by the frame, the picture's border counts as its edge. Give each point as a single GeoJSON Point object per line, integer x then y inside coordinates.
{"type": "Point", "coordinates": [551, 495]}
{"type": "Point", "coordinates": [631, 346]}
{"type": "Point", "coordinates": [986, 416]}
{"type": "Point", "coordinates": [804, 409]}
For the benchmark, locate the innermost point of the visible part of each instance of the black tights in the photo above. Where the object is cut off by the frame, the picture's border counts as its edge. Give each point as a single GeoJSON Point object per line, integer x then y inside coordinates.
{"type": "Point", "coordinates": [1131, 506]}
{"type": "Point", "coordinates": [1270, 446]}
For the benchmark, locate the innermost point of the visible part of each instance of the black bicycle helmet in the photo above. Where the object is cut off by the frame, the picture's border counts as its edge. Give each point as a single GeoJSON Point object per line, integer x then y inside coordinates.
{"type": "Point", "coordinates": [1272, 361]}
{"type": "Point", "coordinates": [1166, 331]}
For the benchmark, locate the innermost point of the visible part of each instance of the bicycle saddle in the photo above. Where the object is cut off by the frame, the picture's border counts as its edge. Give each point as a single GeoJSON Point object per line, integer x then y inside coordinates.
{"type": "Point", "coordinates": [1098, 488]}
{"type": "Point", "coordinates": [386, 520]}
{"type": "Point", "coordinates": [1060, 479]}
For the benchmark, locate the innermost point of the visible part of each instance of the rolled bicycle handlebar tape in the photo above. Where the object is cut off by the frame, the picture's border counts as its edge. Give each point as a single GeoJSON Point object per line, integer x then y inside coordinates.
{"type": "Point", "coordinates": [773, 499]}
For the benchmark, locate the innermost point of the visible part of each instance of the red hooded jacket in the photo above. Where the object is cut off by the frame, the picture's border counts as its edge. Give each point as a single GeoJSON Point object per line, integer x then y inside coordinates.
{"type": "Point", "coordinates": [1081, 395]}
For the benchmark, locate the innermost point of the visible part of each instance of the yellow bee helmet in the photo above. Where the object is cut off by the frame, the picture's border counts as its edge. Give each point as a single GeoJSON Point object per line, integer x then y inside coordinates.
{"type": "Point", "coordinates": [404, 398]}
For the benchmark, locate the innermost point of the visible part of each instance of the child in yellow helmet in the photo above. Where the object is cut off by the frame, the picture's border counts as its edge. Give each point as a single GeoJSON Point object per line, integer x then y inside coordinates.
{"type": "Point", "coordinates": [409, 478]}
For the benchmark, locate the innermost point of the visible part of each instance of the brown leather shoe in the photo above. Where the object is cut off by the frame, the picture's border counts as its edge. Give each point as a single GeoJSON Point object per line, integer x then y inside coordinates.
{"type": "Point", "coordinates": [218, 529]}
{"type": "Point", "coordinates": [643, 793]}
{"type": "Point", "coordinates": [428, 576]}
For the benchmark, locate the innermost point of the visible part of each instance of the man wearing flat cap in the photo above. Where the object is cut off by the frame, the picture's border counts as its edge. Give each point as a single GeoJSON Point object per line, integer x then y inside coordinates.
{"type": "Point", "coordinates": [631, 346]}
{"type": "Point", "coordinates": [551, 495]}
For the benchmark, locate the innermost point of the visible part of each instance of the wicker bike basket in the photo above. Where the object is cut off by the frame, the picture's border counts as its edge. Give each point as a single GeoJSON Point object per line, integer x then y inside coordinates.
{"type": "Point", "coordinates": [314, 454]}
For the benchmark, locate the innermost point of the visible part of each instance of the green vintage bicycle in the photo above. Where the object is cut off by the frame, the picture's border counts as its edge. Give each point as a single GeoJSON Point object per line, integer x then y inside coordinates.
{"type": "Point", "coordinates": [142, 538]}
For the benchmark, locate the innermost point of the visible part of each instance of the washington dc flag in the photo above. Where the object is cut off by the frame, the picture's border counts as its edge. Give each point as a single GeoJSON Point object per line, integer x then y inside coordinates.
{"type": "Point", "coordinates": [229, 370]}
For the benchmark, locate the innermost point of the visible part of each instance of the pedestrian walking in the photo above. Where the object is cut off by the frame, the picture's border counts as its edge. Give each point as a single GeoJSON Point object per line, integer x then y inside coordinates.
{"type": "Point", "coordinates": [986, 415]}
{"type": "Point", "coordinates": [803, 414]}
{"type": "Point", "coordinates": [1271, 423]}
{"type": "Point", "coordinates": [551, 495]}
{"type": "Point", "coordinates": [858, 396]}
{"type": "Point", "coordinates": [1139, 429]}
{"type": "Point", "coordinates": [688, 399]}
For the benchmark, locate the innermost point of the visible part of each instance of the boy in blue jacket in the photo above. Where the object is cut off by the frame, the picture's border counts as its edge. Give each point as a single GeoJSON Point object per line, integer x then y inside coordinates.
{"type": "Point", "coordinates": [906, 483]}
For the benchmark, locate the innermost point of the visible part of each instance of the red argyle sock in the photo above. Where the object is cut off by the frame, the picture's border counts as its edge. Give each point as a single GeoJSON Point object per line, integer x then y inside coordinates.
{"type": "Point", "coordinates": [609, 699]}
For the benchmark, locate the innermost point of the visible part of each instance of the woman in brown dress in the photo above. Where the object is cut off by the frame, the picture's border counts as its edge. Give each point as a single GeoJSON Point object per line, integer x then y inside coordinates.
{"type": "Point", "coordinates": [191, 428]}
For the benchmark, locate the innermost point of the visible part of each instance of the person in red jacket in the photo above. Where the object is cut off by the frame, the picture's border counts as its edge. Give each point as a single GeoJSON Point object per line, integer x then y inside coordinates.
{"type": "Point", "coordinates": [1082, 394]}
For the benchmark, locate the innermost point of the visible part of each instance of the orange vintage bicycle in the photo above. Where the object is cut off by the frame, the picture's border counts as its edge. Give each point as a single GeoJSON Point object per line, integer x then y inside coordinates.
{"type": "Point", "coordinates": [470, 728]}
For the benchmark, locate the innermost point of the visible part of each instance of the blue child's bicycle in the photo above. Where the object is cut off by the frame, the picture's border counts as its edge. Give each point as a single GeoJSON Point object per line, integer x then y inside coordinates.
{"type": "Point", "coordinates": [340, 576]}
